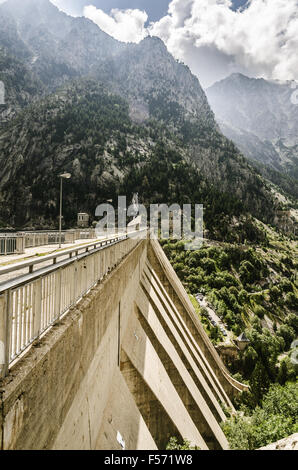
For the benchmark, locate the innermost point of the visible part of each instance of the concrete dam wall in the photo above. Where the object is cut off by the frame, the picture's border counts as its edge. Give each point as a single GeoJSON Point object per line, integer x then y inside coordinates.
{"type": "Point", "coordinates": [128, 367]}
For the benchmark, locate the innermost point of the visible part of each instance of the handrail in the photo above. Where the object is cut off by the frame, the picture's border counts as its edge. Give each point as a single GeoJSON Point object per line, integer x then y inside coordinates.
{"type": "Point", "coordinates": [11, 244]}
{"type": "Point", "coordinates": [9, 235]}
{"type": "Point", "coordinates": [23, 279]}
{"type": "Point", "coordinates": [19, 241]}
{"type": "Point", "coordinates": [55, 256]}
{"type": "Point", "coordinates": [30, 304]}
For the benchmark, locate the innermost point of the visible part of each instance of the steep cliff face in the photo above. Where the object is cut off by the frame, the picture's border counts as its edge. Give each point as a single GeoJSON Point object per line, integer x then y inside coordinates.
{"type": "Point", "coordinates": [261, 117]}
{"type": "Point", "coordinates": [57, 47]}
{"type": "Point", "coordinates": [148, 72]}
{"type": "Point", "coordinates": [54, 46]}
{"type": "Point", "coordinates": [119, 117]}
{"type": "Point", "coordinates": [49, 33]}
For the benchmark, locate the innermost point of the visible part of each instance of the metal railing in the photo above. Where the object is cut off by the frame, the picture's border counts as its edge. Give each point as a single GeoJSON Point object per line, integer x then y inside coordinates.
{"type": "Point", "coordinates": [32, 303]}
{"type": "Point", "coordinates": [82, 234]}
{"type": "Point", "coordinates": [34, 239]}
{"type": "Point", "coordinates": [18, 242]}
{"type": "Point", "coordinates": [10, 244]}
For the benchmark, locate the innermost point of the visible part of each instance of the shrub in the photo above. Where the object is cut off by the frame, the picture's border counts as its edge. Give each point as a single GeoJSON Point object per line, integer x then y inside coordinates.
{"type": "Point", "coordinates": [259, 311]}
{"type": "Point", "coordinates": [275, 293]}
{"type": "Point", "coordinates": [243, 296]}
{"type": "Point", "coordinates": [248, 273]}
{"type": "Point", "coordinates": [275, 419]}
{"type": "Point", "coordinates": [174, 445]}
{"type": "Point", "coordinates": [292, 300]}
{"type": "Point", "coordinates": [286, 286]}
{"type": "Point", "coordinates": [287, 333]}
{"type": "Point", "coordinates": [292, 321]}
{"type": "Point", "coordinates": [208, 265]}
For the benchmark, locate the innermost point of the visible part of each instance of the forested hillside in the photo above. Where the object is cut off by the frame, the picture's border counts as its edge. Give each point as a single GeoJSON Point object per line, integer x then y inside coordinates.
{"type": "Point", "coordinates": [87, 131]}
{"type": "Point", "coordinates": [119, 117]}
{"type": "Point", "coordinates": [252, 290]}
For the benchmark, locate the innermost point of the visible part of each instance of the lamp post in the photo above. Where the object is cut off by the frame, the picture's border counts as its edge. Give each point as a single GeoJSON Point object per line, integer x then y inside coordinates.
{"type": "Point", "coordinates": [66, 176]}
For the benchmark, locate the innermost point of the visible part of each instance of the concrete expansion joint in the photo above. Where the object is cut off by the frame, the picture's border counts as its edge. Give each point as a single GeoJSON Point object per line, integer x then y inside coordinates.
{"type": "Point", "coordinates": [83, 370]}
{"type": "Point", "coordinates": [1, 418]}
{"type": "Point", "coordinates": [89, 424]}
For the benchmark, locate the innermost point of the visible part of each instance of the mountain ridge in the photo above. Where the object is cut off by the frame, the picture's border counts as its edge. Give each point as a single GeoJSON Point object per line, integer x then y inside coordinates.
{"type": "Point", "coordinates": [260, 117]}
{"type": "Point", "coordinates": [165, 101]}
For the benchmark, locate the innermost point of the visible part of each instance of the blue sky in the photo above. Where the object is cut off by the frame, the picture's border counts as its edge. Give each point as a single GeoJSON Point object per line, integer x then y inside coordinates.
{"type": "Point", "coordinates": [239, 3]}
{"type": "Point", "coordinates": [155, 9]}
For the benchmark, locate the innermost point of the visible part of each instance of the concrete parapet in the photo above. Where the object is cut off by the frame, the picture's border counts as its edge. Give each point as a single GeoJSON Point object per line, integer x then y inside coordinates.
{"type": "Point", "coordinates": [128, 368]}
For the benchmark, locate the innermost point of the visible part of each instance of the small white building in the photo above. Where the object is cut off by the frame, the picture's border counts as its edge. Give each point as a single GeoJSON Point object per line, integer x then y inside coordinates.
{"type": "Point", "coordinates": [83, 220]}
{"type": "Point", "coordinates": [242, 341]}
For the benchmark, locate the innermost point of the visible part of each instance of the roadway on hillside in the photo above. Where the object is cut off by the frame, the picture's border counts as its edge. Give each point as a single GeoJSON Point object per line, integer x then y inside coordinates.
{"type": "Point", "coordinates": [215, 318]}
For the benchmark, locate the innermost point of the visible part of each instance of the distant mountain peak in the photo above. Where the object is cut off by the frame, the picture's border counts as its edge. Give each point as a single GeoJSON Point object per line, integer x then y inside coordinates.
{"type": "Point", "coordinates": [153, 42]}
{"type": "Point", "coordinates": [238, 75]}
{"type": "Point", "coordinates": [153, 39]}
{"type": "Point", "coordinates": [240, 78]}
{"type": "Point", "coordinates": [259, 115]}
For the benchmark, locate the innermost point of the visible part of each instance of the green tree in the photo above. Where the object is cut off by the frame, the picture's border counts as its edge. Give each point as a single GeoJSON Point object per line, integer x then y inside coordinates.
{"type": "Point", "coordinates": [282, 375]}
{"type": "Point", "coordinates": [259, 382]}
{"type": "Point", "coordinates": [287, 333]}
{"type": "Point", "coordinates": [274, 419]}
{"type": "Point", "coordinates": [174, 444]}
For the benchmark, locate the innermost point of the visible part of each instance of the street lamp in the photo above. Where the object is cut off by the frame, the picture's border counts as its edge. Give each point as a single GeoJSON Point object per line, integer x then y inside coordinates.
{"type": "Point", "coordinates": [65, 176]}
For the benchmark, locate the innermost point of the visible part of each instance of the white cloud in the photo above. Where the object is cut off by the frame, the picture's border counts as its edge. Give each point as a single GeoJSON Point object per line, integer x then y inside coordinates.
{"type": "Point", "coordinates": [124, 25]}
{"type": "Point", "coordinates": [214, 41]}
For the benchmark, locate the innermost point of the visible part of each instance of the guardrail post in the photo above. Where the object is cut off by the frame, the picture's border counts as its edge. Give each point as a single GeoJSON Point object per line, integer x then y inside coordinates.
{"type": "Point", "coordinates": [4, 334]}
{"type": "Point", "coordinates": [58, 293]}
{"type": "Point", "coordinates": [37, 308]}
{"type": "Point", "coordinates": [74, 281]}
{"type": "Point", "coordinates": [95, 268]}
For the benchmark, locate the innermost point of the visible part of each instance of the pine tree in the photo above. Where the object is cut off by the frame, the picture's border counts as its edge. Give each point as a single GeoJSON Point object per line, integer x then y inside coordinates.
{"type": "Point", "coordinates": [259, 382]}
{"type": "Point", "coordinates": [282, 373]}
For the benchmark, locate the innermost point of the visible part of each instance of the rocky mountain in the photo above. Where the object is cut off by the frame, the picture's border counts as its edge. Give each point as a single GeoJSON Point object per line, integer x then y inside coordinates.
{"type": "Point", "coordinates": [119, 117]}
{"type": "Point", "coordinates": [54, 46]}
{"type": "Point", "coordinates": [37, 29]}
{"type": "Point", "coordinates": [261, 117]}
